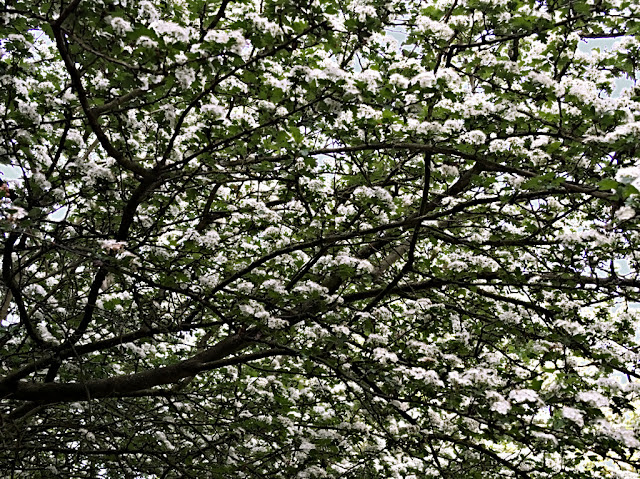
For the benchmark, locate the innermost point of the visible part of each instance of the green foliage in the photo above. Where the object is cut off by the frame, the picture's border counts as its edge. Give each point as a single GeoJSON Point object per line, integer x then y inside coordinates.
{"type": "Point", "coordinates": [319, 239]}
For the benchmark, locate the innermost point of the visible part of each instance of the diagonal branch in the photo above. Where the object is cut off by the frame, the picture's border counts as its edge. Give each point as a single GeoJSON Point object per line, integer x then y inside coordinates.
{"type": "Point", "coordinates": [14, 290]}
{"type": "Point", "coordinates": [90, 115]}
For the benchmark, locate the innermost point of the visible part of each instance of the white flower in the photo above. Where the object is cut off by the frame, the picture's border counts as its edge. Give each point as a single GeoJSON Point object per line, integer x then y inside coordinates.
{"type": "Point", "coordinates": [545, 436]}
{"type": "Point", "coordinates": [371, 78]}
{"type": "Point", "coordinates": [276, 323]}
{"type": "Point", "coordinates": [215, 110]}
{"type": "Point", "coordinates": [113, 245]}
{"type": "Point", "coordinates": [524, 395]}
{"type": "Point", "coordinates": [436, 29]}
{"type": "Point", "coordinates": [45, 334]}
{"type": "Point", "coordinates": [424, 79]}
{"type": "Point", "coordinates": [573, 415]}
{"type": "Point", "coordinates": [594, 398]}
{"type": "Point", "coordinates": [147, 42]}
{"type": "Point", "coordinates": [377, 338]}
{"type": "Point", "coordinates": [209, 280]}
{"type": "Point", "coordinates": [16, 214]}
{"type": "Point", "coordinates": [542, 79]}
{"type": "Point", "coordinates": [364, 12]}
{"type": "Point", "coordinates": [341, 329]}
{"type": "Point", "coordinates": [185, 76]}
{"type": "Point", "coordinates": [120, 26]}
{"type": "Point", "coordinates": [171, 32]}
{"type": "Point", "coordinates": [147, 10]}
{"type": "Point", "coordinates": [75, 137]}
{"type": "Point", "coordinates": [169, 114]}
{"type": "Point", "coordinates": [384, 356]}
{"type": "Point", "coordinates": [501, 407]}
{"type": "Point", "coordinates": [30, 110]}
{"type": "Point", "coordinates": [621, 434]}
{"type": "Point", "coordinates": [628, 175]}
{"type": "Point", "coordinates": [475, 137]}
{"type": "Point", "coordinates": [275, 285]}
{"type": "Point", "coordinates": [625, 213]}
{"type": "Point", "coordinates": [216, 36]}
{"type": "Point", "coordinates": [398, 80]}
{"type": "Point", "coordinates": [163, 439]}
{"type": "Point", "coordinates": [306, 446]}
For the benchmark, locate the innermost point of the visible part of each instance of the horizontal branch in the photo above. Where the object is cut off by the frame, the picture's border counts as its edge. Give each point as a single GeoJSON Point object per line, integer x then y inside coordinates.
{"type": "Point", "coordinates": [486, 165]}
{"type": "Point", "coordinates": [480, 278]}
{"type": "Point", "coordinates": [121, 385]}
{"type": "Point", "coordinates": [101, 109]}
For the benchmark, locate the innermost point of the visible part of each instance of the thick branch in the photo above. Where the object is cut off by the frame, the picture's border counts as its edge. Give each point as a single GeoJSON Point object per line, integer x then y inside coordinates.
{"type": "Point", "coordinates": [130, 383]}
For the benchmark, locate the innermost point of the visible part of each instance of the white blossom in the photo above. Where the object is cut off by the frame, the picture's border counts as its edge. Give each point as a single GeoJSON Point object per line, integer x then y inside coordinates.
{"type": "Point", "coordinates": [185, 76]}
{"type": "Point", "coordinates": [120, 26]}
{"type": "Point", "coordinates": [171, 32]}
{"type": "Point", "coordinates": [524, 395]}
{"type": "Point", "coordinates": [384, 355]}
{"type": "Point", "coordinates": [433, 28]}
{"type": "Point", "coordinates": [113, 245]}
{"type": "Point", "coordinates": [573, 415]}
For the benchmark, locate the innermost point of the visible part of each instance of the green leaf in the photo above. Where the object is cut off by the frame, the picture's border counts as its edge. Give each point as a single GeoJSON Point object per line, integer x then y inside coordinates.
{"type": "Point", "coordinates": [296, 134]}
{"type": "Point", "coordinates": [608, 184]}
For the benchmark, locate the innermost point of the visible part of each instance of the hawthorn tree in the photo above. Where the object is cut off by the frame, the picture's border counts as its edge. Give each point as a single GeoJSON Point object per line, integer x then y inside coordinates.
{"type": "Point", "coordinates": [353, 239]}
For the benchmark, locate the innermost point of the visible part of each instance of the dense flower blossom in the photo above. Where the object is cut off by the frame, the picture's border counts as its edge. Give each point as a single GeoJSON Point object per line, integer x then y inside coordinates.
{"type": "Point", "coordinates": [319, 239]}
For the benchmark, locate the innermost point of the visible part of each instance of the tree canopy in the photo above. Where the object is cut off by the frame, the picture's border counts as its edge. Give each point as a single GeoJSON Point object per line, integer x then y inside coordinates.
{"type": "Point", "coordinates": [350, 239]}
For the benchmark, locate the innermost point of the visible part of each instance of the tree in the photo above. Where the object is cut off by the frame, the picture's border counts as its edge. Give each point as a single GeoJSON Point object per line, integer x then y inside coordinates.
{"type": "Point", "coordinates": [319, 239]}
